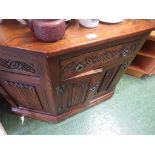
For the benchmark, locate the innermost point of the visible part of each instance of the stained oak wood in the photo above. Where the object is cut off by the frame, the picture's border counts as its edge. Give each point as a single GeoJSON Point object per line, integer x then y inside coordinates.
{"type": "Point", "coordinates": [152, 36]}
{"type": "Point", "coordinates": [13, 34]}
{"type": "Point", "coordinates": [52, 81]}
{"type": "Point", "coordinates": [135, 71]}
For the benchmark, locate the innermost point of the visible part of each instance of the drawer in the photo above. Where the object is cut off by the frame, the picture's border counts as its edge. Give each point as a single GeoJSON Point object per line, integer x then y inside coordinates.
{"type": "Point", "coordinates": [95, 59]}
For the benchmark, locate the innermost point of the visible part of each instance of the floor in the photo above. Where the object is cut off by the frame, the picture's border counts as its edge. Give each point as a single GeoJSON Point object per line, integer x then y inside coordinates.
{"type": "Point", "coordinates": [130, 111]}
{"type": "Point", "coordinates": [2, 131]}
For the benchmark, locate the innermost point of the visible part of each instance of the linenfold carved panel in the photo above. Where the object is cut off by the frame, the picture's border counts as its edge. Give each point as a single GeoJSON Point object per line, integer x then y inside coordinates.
{"type": "Point", "coordinates": [75, 92]}
{"type": "Point", "coordinates": [120, 71]}
{"type": "Point", "coordinates": [25, 95]}
{"type": "Point", "coordinates": [107, 78]}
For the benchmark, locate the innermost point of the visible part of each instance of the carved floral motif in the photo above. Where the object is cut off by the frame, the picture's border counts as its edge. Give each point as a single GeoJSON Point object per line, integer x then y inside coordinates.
{"type": "Point", "coordinates": [103, 55]}
{"type": "Point", "coordinates": [17, 65]}
{"type": "Point", "coordinates": [19, 85]}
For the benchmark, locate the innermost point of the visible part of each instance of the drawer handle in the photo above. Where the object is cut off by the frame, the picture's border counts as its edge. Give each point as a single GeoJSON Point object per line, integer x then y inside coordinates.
{"type": "Point", "coordinates": [59, 89]}
{"type": "Point", "coordinates": [93, 89]}
{"type": "Point", "coordinates": [79, 67]}
{"type": "Point", "coordinates": [125, 52]}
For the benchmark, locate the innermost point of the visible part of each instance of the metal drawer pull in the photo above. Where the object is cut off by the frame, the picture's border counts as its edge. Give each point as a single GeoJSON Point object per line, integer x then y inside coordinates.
{"type": "Point", "coordinates": [59, 89]}
{"type": "Point", "coordinates": [125, 52]}
{"type": "Point", "coordinates": [93, 89]}
{"type": "Point", "coordinates": [79, 67]}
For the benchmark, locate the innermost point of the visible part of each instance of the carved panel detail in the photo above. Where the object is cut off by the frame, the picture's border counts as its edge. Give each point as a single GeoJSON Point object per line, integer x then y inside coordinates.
{"type": "Point", "coordinates": [74, 93]}
{"type": "Point", "coordinates": [19, 85]}
{"type": "Point", "coordinates": [24, 95]}
{"type": "Point", "coordinates": [17, 65]}
{"type": "Point", "coordinates": [100, 56]}
{"type": "Point", "coordinates": [95, 85]}
{"type": "Point", "coordinates": [79, 91]}
{"type": "Point", "coordinates": [125, 65]}
{"type": "Point", "coordinates": [120, 71]}
{"type": "Point", "coordinates": [107, 78]}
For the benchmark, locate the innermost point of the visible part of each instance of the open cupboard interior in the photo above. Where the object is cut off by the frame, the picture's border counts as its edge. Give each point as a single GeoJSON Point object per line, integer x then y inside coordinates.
{"type": "Point", "coordinates": [144, 62]}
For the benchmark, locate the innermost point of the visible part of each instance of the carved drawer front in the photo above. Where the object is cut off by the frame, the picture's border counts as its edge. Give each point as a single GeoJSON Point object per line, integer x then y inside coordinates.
{"type": "Point", "coordinates": [18, 65]}
{"type": "Point", "coordinates": [76, 65]}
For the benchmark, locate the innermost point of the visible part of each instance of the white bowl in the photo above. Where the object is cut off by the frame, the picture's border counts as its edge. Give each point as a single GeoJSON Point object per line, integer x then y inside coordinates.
{"type": "Point", "coordinates": [89, 23]}
{"type": "Point", "coordinates": [112, 20]}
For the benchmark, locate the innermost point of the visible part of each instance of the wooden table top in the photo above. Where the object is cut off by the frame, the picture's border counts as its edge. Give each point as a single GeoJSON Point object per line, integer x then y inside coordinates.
{"type": "Point", "coordinates": [13, 34]}
{"type": "Point", "coordinates": [152, 36]}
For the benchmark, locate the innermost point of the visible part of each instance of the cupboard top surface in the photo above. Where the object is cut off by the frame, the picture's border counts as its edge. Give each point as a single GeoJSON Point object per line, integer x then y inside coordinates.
{"type": "Point", "coordinates": [152, 36]}
{"type": "Point", "coordinates": [13, 34]}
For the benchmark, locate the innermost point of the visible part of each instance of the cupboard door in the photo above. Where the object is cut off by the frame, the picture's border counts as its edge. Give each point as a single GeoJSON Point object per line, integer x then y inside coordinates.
{"type": "Point", "coordinates": [76, 89]}
{"type": "Point", "coordinates": [89, 86]}
{"type": "Point", "coordinates": [121, 69]}
{"type": "Point", "coordinates": [26, 93]}
{"type": "Point", "coordinates": [23, 94]}
{"type": "Point", "coordinates": [6, 96]}
{"type": "Point", "coordinates": [101, 82]}
{"type": "Point", "coordinates": [94, 86]}
{"type": "Point", "coordinates": [106, 81]}
{"type": "Point", "coordinates": [74, 92]}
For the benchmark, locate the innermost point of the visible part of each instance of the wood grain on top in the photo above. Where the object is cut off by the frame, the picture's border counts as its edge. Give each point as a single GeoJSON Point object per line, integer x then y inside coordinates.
{"type": "Point", "coordinates": [13, 34]}
{"type": "Point", "coordinates": [152, 36]}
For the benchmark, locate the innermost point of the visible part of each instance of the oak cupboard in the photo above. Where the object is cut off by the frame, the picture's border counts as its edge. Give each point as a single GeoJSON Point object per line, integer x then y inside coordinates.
{"type": "Point", "coordinates": [52, 81]}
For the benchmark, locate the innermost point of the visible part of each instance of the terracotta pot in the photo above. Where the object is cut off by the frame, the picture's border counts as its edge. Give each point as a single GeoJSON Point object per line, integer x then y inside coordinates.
{"type": "Point", "coordinates": [48, 30]}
